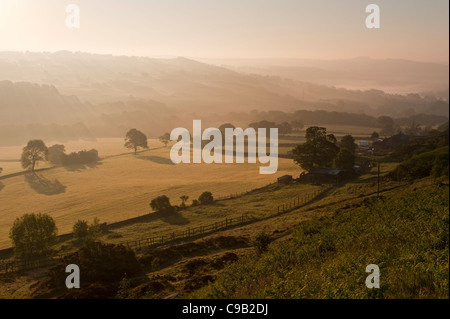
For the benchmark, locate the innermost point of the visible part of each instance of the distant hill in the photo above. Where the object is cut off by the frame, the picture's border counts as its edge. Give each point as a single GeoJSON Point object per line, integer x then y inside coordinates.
{"type": "Point", "coordinates": [194, 87]}
{"type": "Point", "coordinates": [389, 75]}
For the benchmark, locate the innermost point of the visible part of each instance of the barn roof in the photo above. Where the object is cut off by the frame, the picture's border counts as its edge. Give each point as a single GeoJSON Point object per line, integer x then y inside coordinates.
{"type": "Point", "coordinates": [325, 171]}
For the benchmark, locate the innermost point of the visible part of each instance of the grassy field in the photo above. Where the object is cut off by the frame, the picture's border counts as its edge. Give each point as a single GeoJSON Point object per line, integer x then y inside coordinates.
{"type": "Point", "coordinates": [259, 204]}
{"type": "Point", "coordinates": [121, 187]}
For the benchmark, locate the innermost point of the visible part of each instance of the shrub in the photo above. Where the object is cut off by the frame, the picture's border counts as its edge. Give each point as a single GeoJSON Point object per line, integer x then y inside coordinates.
{"type": "Point", "coordinates": [422, 165]}
{"type": "Point", "coordinates": [206, 198]}
{"type": "Point", "coordinates": [83, 231]}
{"type": "Point", "coordinates": [262, 242]}
{"type": "Point", "coordinates": [161, 204]}
{"type": "Point", "coordinates": [195, 202]}
{"type": "Point", "coordinates": [80, 229]}
{"type": "Point", "coordinates": [104, 266]}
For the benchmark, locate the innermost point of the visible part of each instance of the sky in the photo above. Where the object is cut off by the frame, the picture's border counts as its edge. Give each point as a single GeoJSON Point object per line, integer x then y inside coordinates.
{"type": "Point", "coordinates": [247, 29]}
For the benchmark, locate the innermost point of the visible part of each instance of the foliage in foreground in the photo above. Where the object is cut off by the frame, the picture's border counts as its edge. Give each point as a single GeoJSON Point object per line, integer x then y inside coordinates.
{"type": "Point", "coordinates": [433, 163]}
{"type": "Point", "coordinates": [102, 267]}
{"type": "Point", "coordinates": [406, 236]}
{"type": "Point", "coordinates": [33, 235]}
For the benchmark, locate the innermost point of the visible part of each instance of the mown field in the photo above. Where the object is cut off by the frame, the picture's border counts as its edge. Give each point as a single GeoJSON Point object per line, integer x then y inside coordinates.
{"type": "Point", "coordinates": [121, 187]}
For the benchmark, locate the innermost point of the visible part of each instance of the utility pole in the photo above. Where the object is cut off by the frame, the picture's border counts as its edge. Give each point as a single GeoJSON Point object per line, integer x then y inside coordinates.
{"type": "Point", "coordinates": [378, 193]}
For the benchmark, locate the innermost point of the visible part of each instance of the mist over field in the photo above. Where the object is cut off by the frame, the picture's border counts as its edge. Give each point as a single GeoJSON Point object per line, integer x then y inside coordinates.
{"type": "Point", "coordinates": [68, 96]}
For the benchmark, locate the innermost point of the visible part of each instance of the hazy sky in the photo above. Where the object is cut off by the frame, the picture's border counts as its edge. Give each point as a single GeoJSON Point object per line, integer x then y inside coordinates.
{"type": "Point", "coordinates": [410, 29]}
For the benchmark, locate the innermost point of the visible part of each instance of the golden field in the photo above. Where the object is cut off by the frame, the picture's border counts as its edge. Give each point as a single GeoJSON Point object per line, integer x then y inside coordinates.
{"type": "Point", "coordinates": [121, 187]}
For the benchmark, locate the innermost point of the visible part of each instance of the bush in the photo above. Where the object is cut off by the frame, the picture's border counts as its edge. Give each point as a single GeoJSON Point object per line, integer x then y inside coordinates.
{"type": "Point", "coordinates": [422, 165]}
{"type": "Point", "coordinates": [206, 198]}
{"type": "Point", "coordinates": [83, 231]}
{"type": "Point", "coordinates": [262, 242]}
{"type": "Point", "coordinates": [80, 229]}
{"type": "Point", "coordinates": [161, 204]}
{"type": "Point", "coordinates": [195, 202]}
{"type": "Point", "coordinates": [33, 235]}
{"type": "Point", "coordinates": [104, 266]}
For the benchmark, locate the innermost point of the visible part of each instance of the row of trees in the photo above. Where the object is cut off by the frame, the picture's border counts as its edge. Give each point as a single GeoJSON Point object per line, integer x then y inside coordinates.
{"type": "Point", "coordinates": [162, 203]}
{"type": "Point", "coordinates": [135, 139]}
{"type": "Point", "coordinates": [33, 235]}
{"type": "Point", "coordinates": [36, 151]}
{"type": "Point", "coordinates": [321, 150]}
{"type": "Point", "coordinates": [57, 156]}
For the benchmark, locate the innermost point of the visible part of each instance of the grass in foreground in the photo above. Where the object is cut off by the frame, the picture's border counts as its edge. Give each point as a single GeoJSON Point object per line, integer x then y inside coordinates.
{"type": "Point", "coordinates": [407, 236]}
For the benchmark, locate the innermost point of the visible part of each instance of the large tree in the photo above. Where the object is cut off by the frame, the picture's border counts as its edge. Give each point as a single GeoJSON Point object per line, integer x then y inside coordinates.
{"type": "Point", "coordinates": [33, 235]}
{"type": "Point", "coordinates": [32, 153]}
{"type": "Point", "coordinates": [135, 139]}
{"type": "Point", "coordinates": [56, 154]}
{"type": "Point", "coordinates": [161, 204]}
{"type": "Point", "coordinates": [348, 143]}
{"type": "Point", "coordinates": [318, 151]}
{"type": "Point", "coordinates": [345, 159]}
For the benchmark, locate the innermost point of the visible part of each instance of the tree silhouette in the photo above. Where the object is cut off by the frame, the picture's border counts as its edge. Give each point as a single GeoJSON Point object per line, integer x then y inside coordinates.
{"type": "Point", "coordinates": [348, 142]}
{"type": "Point", "coordinates": [135, 139]}
{"type": "Point", "coordinates": [184, 199]}
{"type": "Point", "coordinates": [165, 139]}
{"type": "Point", "coordinates": [161, 203]}
{"type": "Point", "coordinates": [56, 154]}
{"type": "Point", "coordinates": [375, 136]}
{"type": "Point", "coordinates": [32, 153]}
{"type": "Point", "coordinates": [318, 151]}
{"type": "Point", "coordinates": [206, 198]}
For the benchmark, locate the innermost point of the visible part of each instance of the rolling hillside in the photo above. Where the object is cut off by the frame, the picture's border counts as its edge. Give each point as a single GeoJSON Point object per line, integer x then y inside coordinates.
{"type": "Point", "coordinates": [121, 187]}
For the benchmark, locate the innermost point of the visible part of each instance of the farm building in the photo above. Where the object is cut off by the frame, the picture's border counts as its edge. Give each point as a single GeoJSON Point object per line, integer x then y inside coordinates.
{"type": "Point", "coordinates": [286, 179]}
{"type": "Point", "coordinates": [364, 144]}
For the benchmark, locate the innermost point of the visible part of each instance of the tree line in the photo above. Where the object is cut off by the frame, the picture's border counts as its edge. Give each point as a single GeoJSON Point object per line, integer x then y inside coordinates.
{"type": "Point", "coordinates": [36, 151]}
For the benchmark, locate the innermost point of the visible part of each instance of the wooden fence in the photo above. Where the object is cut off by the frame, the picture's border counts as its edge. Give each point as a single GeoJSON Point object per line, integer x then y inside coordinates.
{"type": "Point", "coordinates": [188, 233]}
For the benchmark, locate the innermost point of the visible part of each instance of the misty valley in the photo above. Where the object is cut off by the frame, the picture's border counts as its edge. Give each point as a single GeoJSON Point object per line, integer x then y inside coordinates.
{"type": "Point", "coordinates": [174, 178]}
